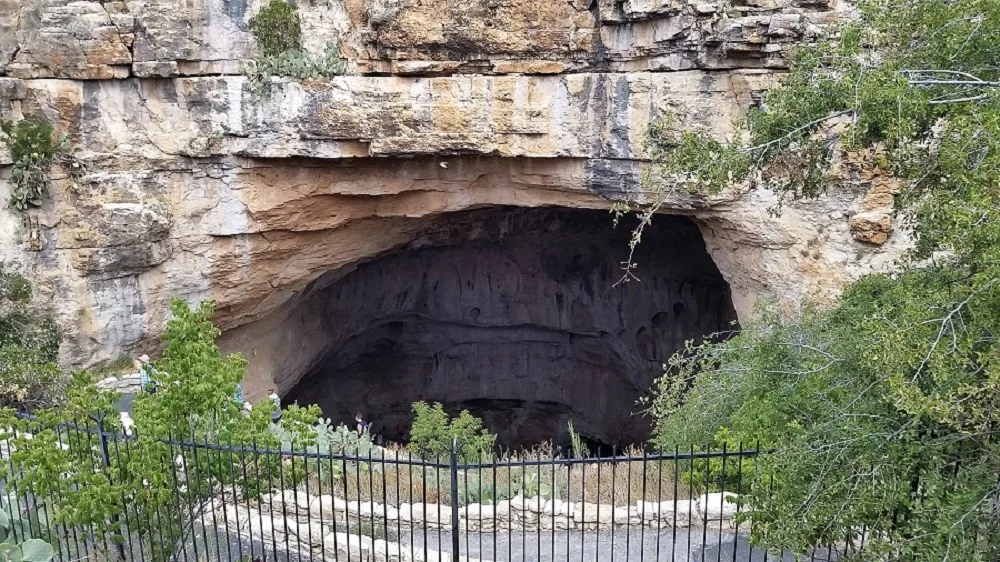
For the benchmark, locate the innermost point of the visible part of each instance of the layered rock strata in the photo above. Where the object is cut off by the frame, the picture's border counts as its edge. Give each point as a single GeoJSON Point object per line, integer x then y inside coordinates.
{"type": "Point", "coordinates": [197, 188]}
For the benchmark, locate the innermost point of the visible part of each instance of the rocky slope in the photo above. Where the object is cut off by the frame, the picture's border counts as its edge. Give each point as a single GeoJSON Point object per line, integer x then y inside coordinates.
{"type": "Point", "coordinates": [197, 188]}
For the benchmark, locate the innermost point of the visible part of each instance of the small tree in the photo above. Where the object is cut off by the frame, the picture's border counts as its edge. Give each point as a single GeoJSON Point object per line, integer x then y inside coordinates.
{"type": "Point", "coordinates": [195, 402]}
{"type": "Point", "coordinates": [883, 409]}
{"type": "Point", "coordinates": [434, 431]}
{"type": "Point", "coordinates": [29, 343]}
{"type": "Point", "coordinates": [277, 28]}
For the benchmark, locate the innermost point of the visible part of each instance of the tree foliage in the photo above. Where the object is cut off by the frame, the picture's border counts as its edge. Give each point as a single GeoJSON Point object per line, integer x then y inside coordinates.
{"type": "Point", "coordinates": [433, 432]}
{"type": "Point", "coordinates": [882, 408]}
{"type": "Point", "coordinates": [56, 455]}
{"type": "Point", "coordinates": [29, 344]}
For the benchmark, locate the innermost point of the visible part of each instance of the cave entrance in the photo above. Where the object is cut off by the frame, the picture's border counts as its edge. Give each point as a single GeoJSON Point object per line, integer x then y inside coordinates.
{"type": "Point", "coordinates": [515, 315]}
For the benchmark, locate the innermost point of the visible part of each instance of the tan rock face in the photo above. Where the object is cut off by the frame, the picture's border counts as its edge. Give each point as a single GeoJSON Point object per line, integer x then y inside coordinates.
{"type": "Point", "coordinates": [873, 227]}
{"type": "Point", "coordinates": [197, 189]}
{"type": "Point", "coordinates": [88, 39]}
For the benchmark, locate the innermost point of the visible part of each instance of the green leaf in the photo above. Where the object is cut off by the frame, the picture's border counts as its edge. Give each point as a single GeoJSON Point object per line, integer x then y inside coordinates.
{"type": "Point", "coordinates": [36, 550]}
{"type": "Point", "coordinates": [10, 553]}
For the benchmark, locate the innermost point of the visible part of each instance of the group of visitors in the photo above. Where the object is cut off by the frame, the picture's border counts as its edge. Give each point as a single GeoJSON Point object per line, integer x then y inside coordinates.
{"type": "Point", "coordinates": [147, 383]}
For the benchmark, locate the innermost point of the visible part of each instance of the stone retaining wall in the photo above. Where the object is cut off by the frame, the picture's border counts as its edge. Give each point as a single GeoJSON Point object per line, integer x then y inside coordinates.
{"type": "Point", "coordinates": [518, 513]}
{"type": "Point", "coordinates": [318, 525]}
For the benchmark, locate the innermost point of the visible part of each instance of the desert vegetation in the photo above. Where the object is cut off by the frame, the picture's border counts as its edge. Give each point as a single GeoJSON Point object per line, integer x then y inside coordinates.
{"type": "Point", "coordinates": [279, 33]}
{"type": "Point", "coordinates": [881, 408]}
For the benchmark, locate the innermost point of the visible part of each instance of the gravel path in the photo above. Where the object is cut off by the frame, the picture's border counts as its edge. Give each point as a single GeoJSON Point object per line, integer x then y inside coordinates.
{"type": "Point", "coordinates": [531, 546]}
{"type": "Point", "coordinates": [619, 546]}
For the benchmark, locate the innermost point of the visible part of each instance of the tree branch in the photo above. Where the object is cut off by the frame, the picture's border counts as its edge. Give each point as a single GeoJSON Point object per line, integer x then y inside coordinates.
{"type": "Point", "coordinates": [795, 130]}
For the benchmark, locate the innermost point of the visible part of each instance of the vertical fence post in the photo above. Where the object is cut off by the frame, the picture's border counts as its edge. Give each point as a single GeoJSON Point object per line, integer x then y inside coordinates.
{"type": "Point", "coordinates": [102, 439]}
{"type": "Point", "coordinates": [454, 499]}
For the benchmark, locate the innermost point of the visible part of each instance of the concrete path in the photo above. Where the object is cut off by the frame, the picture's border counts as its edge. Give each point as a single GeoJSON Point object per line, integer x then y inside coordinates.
{"type": "Point", "coordinates": [532, 546]}
{"type": "Point", "coordinates": [619, 546]}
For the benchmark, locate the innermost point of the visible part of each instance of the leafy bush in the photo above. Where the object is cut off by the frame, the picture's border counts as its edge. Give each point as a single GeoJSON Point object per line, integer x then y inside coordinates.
{"type": "Point", "coordinates": [434, 430]}
{"type": "Point", "coordinates": [194, 401]}
{"type": "Point", "coordinates": [277, 28]}
{"type": "Point", "coordinates": [33, 149]}
{"type": "Point", "coordinates": [196, 385]}
{"type": "Point", "coordinates": [29, 136]}
{"type": "Point", "coordinates": [883, 409]}
{"type": "Point", "coordinates": [29, 343]}
{"type": "Point", "coordinates": [729, 473]}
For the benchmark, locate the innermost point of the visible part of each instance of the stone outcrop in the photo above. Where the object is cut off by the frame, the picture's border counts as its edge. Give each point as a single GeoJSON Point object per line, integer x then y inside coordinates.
{"type": "Point", "coordinates": [292, 513]}
{"type": "Point", "coordinates": [87, 39]}
{"type": "Point", "coordinates": [196, 188]}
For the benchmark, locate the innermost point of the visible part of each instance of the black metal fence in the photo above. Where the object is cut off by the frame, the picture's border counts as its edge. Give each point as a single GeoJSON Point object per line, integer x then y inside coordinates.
{"type": "Point", "coordinates": [219, 501]}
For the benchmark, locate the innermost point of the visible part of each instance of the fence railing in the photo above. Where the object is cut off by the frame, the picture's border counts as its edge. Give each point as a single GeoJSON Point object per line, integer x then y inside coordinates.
{"type": "Point", "coordinates": [235, 502]}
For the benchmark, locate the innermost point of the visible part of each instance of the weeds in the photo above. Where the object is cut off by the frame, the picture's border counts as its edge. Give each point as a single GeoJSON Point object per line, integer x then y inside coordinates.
{"type": "Point", "coordinates": [617, 482]}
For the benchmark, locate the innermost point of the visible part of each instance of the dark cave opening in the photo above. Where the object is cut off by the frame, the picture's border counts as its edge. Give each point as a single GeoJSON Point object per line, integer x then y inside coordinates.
{"type": "Point", "coordinates": [516, 315]}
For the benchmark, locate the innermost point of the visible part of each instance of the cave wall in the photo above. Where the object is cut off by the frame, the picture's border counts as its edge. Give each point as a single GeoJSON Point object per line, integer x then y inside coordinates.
{"type": "Point", "coordinates": [195, 188]}
{"type": "Point", "coordinates": [518, 316]}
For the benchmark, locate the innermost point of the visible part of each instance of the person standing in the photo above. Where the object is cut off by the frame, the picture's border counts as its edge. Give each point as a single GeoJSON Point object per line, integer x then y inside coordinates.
{"type": "Point", "coordinates": [240, 400]}
{"type": "Point", "coordinates": [146, 381]}
{"type": "Point", "coordinates": [273, 396]}
{"type": "Point", "coordinates": [362, 425]}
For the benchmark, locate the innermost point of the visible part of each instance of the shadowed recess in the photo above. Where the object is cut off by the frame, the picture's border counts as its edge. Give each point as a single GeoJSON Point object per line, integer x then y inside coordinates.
{"type": "Point", "coordinates": [515, 315]}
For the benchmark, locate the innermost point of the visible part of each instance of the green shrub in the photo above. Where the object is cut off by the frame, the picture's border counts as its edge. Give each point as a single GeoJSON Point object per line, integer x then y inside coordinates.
{"type": "Point", "coordinates": [33, 150]}
{"type": "Point", "coordinates": [194, 400]}
{"type": "Point", "coordinates": [729, 473]}
{"type": "Point", "coordinates": [29, 136]}
{"type": "Point", "coordinates": [434, 430]}
{"type": "Point", "coordinates": [277, 28]}
{"type": "Point", "coordinates": [29, 344]}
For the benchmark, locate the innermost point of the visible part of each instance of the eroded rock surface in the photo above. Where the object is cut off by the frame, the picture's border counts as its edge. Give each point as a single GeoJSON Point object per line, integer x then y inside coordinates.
{"type": "Point", "coordinates": [196, 188]}
{"type": "Point", "coordinates": [90, 39]}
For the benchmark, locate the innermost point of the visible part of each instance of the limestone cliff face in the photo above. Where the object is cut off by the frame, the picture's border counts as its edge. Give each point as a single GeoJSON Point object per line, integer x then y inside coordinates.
{"type": "Point", "coordinates": [198, 189]}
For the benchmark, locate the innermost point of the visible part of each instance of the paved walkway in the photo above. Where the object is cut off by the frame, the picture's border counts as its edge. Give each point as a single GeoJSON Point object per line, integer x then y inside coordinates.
{"type": "Point", "coordinates": [534, 547]}
{"type": "Point", "coordinates": [620, 546]}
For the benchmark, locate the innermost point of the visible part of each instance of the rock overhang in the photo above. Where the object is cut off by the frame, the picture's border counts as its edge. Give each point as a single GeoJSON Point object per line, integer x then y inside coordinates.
{"type": "Point", "coordinates": [198, 189]}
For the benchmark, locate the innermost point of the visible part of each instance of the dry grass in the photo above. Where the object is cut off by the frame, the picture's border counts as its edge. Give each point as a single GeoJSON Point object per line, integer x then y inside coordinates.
{"type": "Point", "coordinates": [614, 483]}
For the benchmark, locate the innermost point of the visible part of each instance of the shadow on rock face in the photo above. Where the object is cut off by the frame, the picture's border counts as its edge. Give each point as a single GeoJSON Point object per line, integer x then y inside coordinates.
{"type": "Point", "coordinates": [515, 315]}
